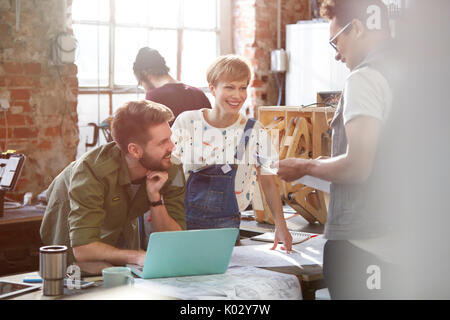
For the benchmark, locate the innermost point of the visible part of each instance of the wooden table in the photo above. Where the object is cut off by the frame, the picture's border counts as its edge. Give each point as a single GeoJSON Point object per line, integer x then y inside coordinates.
{"type": "Point", "coordinates": [20, 239]}
{"type": "Point", "coordinates": [22, 215]}
{"type": "Point", "coordinates": [97, 292]}
{"type": "Point", "coordinates": [308, 279]}
{"type": "Point", "coordinates": [309, 276]}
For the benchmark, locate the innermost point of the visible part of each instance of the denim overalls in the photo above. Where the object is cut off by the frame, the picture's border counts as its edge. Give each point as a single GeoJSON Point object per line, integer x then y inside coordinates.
{"type": "Point", "coordinates": [210, 200]}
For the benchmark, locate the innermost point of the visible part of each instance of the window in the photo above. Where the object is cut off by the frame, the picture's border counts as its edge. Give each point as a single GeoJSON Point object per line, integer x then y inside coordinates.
{"type": "Point", "coordinates": [189, 34]}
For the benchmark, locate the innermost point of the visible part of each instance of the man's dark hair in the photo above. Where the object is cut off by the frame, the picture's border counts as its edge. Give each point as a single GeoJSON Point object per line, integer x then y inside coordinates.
{"type": "Point", "coordinates": [132, 120]}
{"type": "Point", "coordinates": [149, 61]}
{"type": "Point", "coordinates": [346, 10]}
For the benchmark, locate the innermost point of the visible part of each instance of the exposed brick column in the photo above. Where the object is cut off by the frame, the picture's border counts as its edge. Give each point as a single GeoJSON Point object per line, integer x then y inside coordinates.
{"type": "Point", "coordinates": [42, 120]}
{"type": "Point", "coordinates": [255, 36]}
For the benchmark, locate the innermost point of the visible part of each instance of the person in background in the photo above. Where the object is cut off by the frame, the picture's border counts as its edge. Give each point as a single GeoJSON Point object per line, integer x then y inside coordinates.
{"type": "Point", "coordinates": [219, 148]}
{"type": "Point", "coordinates": [152, 73]}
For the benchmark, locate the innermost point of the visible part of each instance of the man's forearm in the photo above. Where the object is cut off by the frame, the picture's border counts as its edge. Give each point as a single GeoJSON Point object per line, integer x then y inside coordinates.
{"type": "Point", "coordinates": [355, 166]}
{"type": "Point", "coordinates": [99, 251]}
{"type": "Point", "coordinates": [162, 221]}
{"type": "Point", "coordinates": [340, 169]}
{"type": "Point", "coordinates": [352, 167]}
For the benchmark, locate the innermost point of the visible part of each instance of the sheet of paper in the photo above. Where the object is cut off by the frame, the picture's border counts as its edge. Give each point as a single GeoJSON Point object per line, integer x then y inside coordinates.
{"type": "Point", "coordinates": [314, 182]}
{"type": "Point", "coordinates": [306, 253]}
{"type": "Point", "coordinates": [237, 283]}
{"type": "Point", "coordinates": [266, 164]}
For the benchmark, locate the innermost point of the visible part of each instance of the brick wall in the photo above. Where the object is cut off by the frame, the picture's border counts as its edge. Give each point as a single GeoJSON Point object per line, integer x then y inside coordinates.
{"type": "Point", "coordinates": [42, 119]}
{"type": "Point", "coordinates": [255, 36]}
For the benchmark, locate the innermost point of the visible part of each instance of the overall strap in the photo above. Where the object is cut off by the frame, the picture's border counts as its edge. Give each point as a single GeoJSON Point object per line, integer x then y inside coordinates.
{"type": "Point", "coordinates": [245, 138]}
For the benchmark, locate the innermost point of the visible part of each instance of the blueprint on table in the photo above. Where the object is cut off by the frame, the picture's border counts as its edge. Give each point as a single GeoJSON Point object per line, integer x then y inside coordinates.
{"type": "Point", "coordinates": [306, 253]}
{"type": "Point", "coordinates": [248, 283]}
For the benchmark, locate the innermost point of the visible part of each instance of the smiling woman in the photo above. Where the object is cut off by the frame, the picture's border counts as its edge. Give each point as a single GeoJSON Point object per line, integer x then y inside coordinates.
{"type": "Point", "coordinates": [228, 78]}
{"type": "Point", "coordinates": [219, 147]}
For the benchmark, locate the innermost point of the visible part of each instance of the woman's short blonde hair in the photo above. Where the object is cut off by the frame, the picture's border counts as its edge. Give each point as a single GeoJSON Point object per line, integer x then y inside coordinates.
{"type": "Point", "coordinates": [229, 67]}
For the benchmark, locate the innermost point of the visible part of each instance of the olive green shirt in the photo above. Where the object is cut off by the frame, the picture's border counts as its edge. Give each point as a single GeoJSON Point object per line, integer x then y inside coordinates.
{"type": "Point", "coordinates": [91, 200]}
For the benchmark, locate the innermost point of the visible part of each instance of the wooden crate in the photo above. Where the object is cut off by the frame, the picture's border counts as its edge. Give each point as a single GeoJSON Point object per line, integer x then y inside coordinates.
{"type": "Point", "coordinates": [303, 133]}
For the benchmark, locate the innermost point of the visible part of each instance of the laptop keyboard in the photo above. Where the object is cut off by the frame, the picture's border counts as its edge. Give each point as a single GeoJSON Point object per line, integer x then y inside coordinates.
{"type": "Point", "coordinates": [137, 267]}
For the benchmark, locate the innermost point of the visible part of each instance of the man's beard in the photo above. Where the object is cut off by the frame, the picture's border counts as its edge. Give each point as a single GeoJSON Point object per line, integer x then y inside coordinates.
{"type": "Point", "coordinates": [152, 164]}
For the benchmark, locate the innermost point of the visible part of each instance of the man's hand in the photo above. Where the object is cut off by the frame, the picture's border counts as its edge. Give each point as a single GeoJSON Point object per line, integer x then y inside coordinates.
{"type": "Point", "coordinates": [155, 181]}
{"type": "Point", "coordinates": [140, 257]}
{"type": "Point", "coordinates": [282, 234]}
{"type": "Point", "coordinates": [292, 169]}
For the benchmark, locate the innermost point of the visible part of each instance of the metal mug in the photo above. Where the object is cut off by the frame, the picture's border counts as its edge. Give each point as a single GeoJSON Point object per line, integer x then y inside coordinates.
{"type": "Point", "coordinates": [52, 269]}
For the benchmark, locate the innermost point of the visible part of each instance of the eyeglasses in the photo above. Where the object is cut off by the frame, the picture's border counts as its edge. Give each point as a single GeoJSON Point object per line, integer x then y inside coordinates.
{"type": "Point", "coordinates": [332, 40]}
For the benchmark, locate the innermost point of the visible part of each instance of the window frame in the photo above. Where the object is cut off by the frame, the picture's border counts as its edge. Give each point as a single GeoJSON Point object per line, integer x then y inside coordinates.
{"type": "Point", "coordinates": [223, 46]}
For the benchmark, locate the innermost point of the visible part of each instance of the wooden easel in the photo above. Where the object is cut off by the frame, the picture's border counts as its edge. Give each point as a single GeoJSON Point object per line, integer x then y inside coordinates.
{"type": "Point", "coordinates": [303, 133]}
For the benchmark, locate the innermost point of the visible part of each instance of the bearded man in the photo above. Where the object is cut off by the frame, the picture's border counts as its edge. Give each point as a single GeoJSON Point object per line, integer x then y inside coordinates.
{"type": "Point", "coordinates": [94, 203]}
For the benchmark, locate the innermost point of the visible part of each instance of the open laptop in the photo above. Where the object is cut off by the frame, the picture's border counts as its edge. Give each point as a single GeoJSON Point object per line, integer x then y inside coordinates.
{"type": "Point", "coordinates": [187, 253]}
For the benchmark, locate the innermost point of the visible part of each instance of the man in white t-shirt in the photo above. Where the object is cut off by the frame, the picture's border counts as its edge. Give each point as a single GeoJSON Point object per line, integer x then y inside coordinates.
{"type": "Point", "coordinates": [360, 35]}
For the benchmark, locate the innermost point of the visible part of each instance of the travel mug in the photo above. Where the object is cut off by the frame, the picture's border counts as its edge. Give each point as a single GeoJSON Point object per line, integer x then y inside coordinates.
{"type": "Point", "coordinates": [52, 269]}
